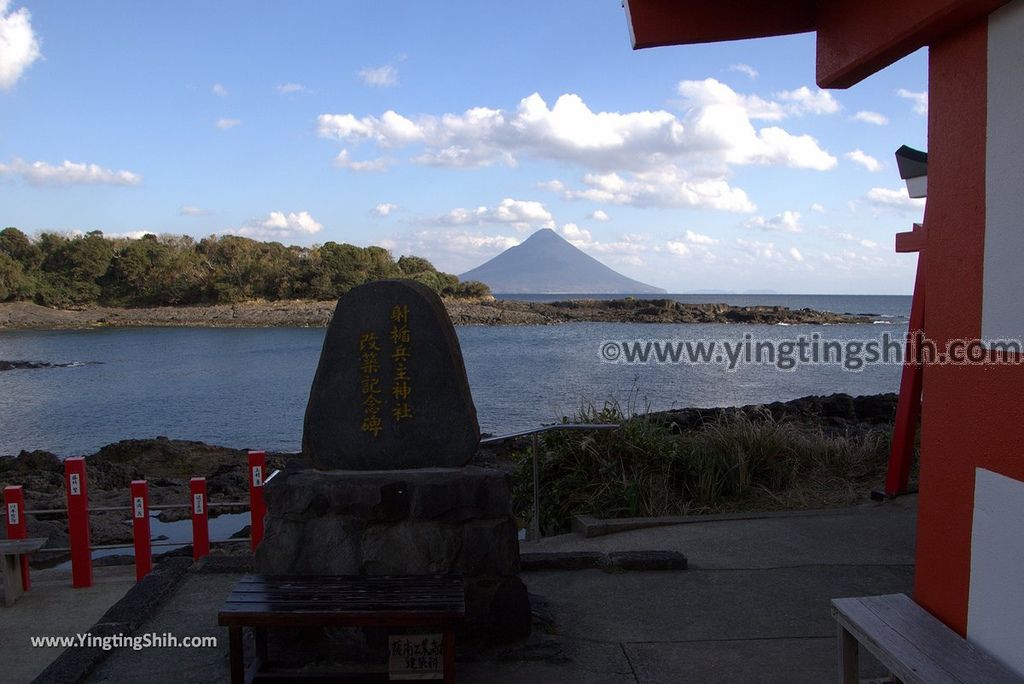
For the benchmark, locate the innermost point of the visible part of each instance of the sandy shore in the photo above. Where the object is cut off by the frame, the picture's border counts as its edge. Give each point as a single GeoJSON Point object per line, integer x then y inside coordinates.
{"type": "Point", "coordinates": [309, 314]}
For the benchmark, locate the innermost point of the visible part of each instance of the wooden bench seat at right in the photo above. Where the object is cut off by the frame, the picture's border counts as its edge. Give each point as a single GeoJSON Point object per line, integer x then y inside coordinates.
{"type": "Point", "coordinates": [429, 603]}
{"type": "Point", "coordinates": [911, 643]}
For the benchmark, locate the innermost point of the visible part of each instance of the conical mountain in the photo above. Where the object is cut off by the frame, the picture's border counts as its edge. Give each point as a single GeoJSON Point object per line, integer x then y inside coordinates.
{"type": "Point", "coordinates": [546, 263]}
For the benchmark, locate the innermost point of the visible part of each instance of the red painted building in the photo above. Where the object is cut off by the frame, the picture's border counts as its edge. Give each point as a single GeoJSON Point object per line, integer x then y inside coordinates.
{"type": "Point", "coordinates": [970, 538]}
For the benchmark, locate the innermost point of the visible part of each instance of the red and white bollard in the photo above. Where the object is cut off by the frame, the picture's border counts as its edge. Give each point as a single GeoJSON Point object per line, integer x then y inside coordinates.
{"type": "Point", "coordinates": [257, 508]}
{"type": "Point", "coordinates": [78, 522]}
{"type": "Point", "coordinates": [14, 504]}
{"type": "Point", "coordinates": [140, 529]}
{"type": "Point", "coordinates": [200, 518]}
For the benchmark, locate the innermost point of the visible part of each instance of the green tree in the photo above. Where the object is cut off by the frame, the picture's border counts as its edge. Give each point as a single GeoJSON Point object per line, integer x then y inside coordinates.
{"type": "Point", "coordinates": [14, 283]}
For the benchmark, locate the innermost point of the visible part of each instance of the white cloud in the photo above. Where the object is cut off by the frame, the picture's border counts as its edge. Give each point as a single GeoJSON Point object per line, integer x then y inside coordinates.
{"type": "Point", "coordinates": [385, 76]}
{"type": "Point", "coordinates": [68, 173]}
{"type": "Point", "coordinates": [573, 233]}
{"type": "Point", "coordinates": [868, 244]}
{"type": "Point", "coordinates": [699, 239]}
{"type": "Point", "coordinates": [919, 100]}
{"type": "Point", "coordinates": [721, 119]}
{"type": "Point", "coordinates": [452, 250]}
{"type": "Point", "coordinates": [289, 88]}
{"type": "Point", "coordinates": [130, 235]}
{"type": "Point", "coordinates": [795, 254]}
{"type": "Point", "coordinates": [19, 46]}
{"type": "Point", "coordinates": [803, 100]}
{"type": "Point", "coordinates": [787, 222]}
{"type": "Point", "coordinates": [599, 215]}
{"type": "Point", "coordinates": [226, 124]}
{"type": "Point", "coordinates": [716, 131]}
{"type": "Point", "coordinates": [344, 161]}
{"type": "Point", "coordinates": [669, 186]}
{"type": "Point", "coordinates": [678, 248]}
{"type": "Point", "coordinates": [384, 209]}
{"type": "Point", "coordinates": [520, 214]}
{"type": "Point", "coordinates": [219, 90]}
{"type": "Point", "coordinates": [759, 251]}
{"type": "Point", "coordinates": [189, 210]}
{"type": "Point", "coordinates": [279, 225]}
{"type": "Point", "coordinates": [894, 199]}
{"type": "Point", "coordinates": [872, 118]}
{"type": "Point", "coordinates": [865, 160]}
{"type": "Point", "coordinates": [642, 158]}
{"type": "Point", "coordinates": [818, 207]}
{"type": "Point", "coordinates": [750, 71]}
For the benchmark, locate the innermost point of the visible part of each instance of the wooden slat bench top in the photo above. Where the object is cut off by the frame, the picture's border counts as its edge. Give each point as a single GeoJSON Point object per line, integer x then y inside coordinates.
{"type": "Point", "coordinates": [345, 600]}
{"type": "Point", "coordinates": [18, 547]}
{"type": "Point", "coordinates": [260, 601]}
{"type": "Point", "coordinates": [912, 643]}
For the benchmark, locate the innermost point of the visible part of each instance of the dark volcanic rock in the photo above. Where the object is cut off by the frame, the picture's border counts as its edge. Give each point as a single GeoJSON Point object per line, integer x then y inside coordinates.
{"type": "Point", "coordinates": [832, 412]}
{"type": "Point", "coordinates": [390, 390]}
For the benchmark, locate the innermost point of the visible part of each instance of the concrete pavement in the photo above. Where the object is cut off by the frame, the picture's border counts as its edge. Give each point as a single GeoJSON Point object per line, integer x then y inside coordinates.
{"type": "Point", "coordinates": [53, 608]}
{"type": "Point", "coordinates": [752, 607]}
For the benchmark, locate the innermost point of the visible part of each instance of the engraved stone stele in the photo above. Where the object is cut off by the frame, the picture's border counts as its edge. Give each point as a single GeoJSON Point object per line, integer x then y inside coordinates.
{"type": "Point", "coordinates": [390, 428]}
{"type": "Point", "coordinates": [390, 391]}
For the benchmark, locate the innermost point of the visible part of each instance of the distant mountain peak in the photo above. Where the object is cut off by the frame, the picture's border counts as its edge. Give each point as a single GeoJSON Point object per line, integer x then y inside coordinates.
{"type": "Point", "coordinates": [547, 263]}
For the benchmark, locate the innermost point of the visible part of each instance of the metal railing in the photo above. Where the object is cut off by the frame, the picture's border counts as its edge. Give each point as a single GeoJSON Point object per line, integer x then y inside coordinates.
{"type": "Point", "coordinates": [534, 439]}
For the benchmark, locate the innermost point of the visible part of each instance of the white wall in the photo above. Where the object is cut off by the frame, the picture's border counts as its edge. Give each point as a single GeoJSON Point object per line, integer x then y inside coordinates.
{"type": "Point", "coordinates": [995, 607]}
{"type": "Point", "coordinates": [1003, 299]}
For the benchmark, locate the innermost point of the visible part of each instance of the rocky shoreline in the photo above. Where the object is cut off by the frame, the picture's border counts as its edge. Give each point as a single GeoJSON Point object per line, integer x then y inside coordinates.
{"type": "Point", "coordinates": [168, 464]}
{"type": "Point", "coordinates": [310, 314]}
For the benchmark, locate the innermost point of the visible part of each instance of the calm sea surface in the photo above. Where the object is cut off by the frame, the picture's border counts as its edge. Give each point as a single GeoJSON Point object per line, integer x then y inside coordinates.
{"type": "Point", "coordinates": [248, 387]}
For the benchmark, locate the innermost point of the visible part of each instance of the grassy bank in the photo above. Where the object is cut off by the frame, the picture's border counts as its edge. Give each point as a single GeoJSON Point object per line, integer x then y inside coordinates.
{"type": "Point", "coordinates": [737, 460]}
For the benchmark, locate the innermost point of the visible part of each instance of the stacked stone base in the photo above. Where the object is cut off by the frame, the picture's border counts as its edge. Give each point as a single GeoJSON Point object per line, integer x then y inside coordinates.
{"type": "Point", "coordinates": [430, 521]}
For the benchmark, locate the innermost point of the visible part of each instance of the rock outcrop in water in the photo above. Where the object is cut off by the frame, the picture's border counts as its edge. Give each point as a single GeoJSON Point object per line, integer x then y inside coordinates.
{"type": "Point", "coordinates": [305, 314]}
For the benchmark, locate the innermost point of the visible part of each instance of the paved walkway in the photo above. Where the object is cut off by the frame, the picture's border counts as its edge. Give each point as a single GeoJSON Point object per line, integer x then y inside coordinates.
{"type": "Point", "coordinates": [52, 607]}
{"type": "Point", "coordinates": [753, 607]}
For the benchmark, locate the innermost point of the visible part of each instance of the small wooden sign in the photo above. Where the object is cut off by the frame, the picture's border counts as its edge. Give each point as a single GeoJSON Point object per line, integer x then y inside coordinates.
{"type": "Point", "coordinates": [415, 656]}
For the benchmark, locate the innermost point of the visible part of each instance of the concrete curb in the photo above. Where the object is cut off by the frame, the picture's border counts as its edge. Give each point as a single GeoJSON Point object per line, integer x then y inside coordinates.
{"type": "Point", "coordinates": [74, 664]}
{"type": "Point", "coordinates": [589, 526]}
{"type": "Point", "coordinates": [615, 561]}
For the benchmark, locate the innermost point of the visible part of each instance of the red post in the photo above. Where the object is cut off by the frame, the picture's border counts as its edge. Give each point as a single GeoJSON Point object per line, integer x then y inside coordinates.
{"type": "Point", "coordinates": [257, 508]}
{"type": "Point", "coordinates": [14, 504]}
{"type": "Point", "coordinates": [200, 518]}
{"type": "Point", "coordinates": [140, 529]}
{"type": "Point", "coordinates": [78, 522]}
{"type": "Point", "coordinates": [908, 406]}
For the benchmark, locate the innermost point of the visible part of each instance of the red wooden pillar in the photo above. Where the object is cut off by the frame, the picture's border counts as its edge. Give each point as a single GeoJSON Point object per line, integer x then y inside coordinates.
{"type": "Point", "coordinates": [140, 529]}
{"type": "Point", "coordinates": [78, 522]}
{"type": "Point", "coordinates": [200, 518]}
{"type": "Point", "coordinates": [257, 508]}
{"type": "Point", "coordinates": [908, 406]}
{"type": "Point", "coordinates": [14, 504]}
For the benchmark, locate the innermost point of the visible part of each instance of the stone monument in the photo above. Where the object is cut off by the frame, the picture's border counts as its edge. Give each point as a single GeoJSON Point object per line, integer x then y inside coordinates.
{"type": "Point", "coordinates": [389, 428]}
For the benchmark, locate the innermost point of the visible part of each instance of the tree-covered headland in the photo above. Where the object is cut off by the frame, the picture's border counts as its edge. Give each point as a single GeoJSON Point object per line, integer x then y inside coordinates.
{"type": "Point", "coordinates": [67, 271]}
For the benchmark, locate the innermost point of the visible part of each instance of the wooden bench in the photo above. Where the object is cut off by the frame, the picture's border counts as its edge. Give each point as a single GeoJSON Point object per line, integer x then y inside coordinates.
{"type": "Point", "coordinates": [12, 551]}
{"type": "Point", "coordinates": [259, 602]}
{"type": "Point", "coordinates": [909, 641]}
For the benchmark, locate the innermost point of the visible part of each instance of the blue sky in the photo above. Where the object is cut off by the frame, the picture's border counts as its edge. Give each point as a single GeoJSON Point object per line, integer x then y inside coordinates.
{"type": "Point", "coordinates": [453, 130]}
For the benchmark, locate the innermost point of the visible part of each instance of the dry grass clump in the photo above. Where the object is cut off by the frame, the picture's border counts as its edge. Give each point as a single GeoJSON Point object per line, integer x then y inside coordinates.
{"type": "Point", "coordinates": [738, 461]}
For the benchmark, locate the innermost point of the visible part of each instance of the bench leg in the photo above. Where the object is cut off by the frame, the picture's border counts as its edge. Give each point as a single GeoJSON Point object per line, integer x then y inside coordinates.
{"type": "Point", "coordinates": [235, 654]}
{"type": "Point", "coordinates": [260, 638]}
{"type": "Point", "coordinates": [12, 579]}
{"type": "Point", "coordinates": [449, 656]}
{"type": "Point", "coordinates": [848, 666]}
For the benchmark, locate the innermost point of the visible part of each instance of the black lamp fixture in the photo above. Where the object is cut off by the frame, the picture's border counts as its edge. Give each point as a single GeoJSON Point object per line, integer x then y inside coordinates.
{"type": "Point", "coordinates": [913, 166]}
